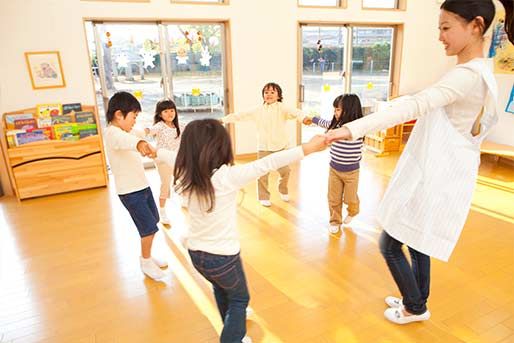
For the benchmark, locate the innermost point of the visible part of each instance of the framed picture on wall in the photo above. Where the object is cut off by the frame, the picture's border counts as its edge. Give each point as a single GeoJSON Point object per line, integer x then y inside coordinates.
{"type": "Point", "coordinates": [45, 69]}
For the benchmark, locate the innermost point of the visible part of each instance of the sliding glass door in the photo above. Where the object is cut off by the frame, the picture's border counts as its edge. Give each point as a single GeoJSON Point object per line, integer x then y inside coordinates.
{"type": "Point", "coordinates": [337, 59]}
{"type": "Point", "coordinates": [183, 62]}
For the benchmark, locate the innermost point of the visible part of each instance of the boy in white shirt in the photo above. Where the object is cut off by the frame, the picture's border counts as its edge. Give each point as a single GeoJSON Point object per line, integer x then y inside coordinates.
{"type": "Point", "coordinates": [123, 149]}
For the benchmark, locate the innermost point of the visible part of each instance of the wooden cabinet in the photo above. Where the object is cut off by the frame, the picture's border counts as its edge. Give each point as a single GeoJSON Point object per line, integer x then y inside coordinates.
{"type": "Point", "coordinates": [385, 141]}
{"type": "Point", "coordinates": [54, 166]}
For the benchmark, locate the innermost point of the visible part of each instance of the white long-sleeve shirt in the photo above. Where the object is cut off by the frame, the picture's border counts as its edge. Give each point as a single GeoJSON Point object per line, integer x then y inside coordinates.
{"type": "Point", "coordinates": [271, 123]}
{"type": "Point", "coordinates": [461, 92]}
{"type": "Point", "coordinates": [125, 160]}
{"type": "Point", "coordinates": [215, 232]}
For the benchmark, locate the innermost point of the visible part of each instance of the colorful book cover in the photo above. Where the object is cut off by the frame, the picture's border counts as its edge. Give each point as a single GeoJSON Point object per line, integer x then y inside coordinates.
{"type": "Point", "coordinates": [62, 119]}
{"type": "Point", "coordinates": [44, 122]}
{"type": "Point", "coordinates": [10, 118]}
{"type": "Point", "coordinates": [25, 124]}
{"type": "Point", "coordinates": [48, 110]}
{"type": "Point", "coordinates": [47, 131]}
{"type": "Point", "coordinates": [75, 107]}
{"type": "Point", "coordinates": [11, 137]}
{"type": "Point", "coordinates": [29, 137]}
{"type": "Point", "coordinates": [85, 117]}
{"type": "Point", "coordinates": [86, 130]}
{"type": "Point", "coordinates": [66, 131]}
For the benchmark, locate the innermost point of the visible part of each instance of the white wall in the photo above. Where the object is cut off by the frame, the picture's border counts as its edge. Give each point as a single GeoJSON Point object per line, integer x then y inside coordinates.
{"type": "Point", "coordinates": [503, 133]}
{"type": "Point", "coordinates": [263, 39]}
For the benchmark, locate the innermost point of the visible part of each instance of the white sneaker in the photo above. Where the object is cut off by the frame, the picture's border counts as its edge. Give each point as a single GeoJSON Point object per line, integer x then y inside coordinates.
{"type": "Point", "coordinates": [284, 197]}
{"type": "Point", "coordinates": [347, 220]}
{"type": "Point", "coordinates": [393, 302]}
{"type": "Point", "coordinates": [150, 269]}
{"type": "Point", "coordinates": [396, 315]}
{"type": "Point", "coordinates": [163, 216]}
{"type": "Point", "coordinates": [265, 203]}
{"type": "Point", "coordinates": [160, 262]}
{"type": "Point", "coordinates": [333, 229]}
{"type": "Point", "coordinates": [246, 339]}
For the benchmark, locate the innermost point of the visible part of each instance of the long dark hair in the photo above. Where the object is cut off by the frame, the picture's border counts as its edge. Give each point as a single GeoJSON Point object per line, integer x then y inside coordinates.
{"type": "Point", "coordinates": [166, 104]}
{"type": "Point", "coordinates": [205, 147]}
{"type": "Point", "coordinates": [352, 110]}
{"type": "Point", "coordinates": [275, 87]}
{"type": "Point", "coordinates": [470, 9]}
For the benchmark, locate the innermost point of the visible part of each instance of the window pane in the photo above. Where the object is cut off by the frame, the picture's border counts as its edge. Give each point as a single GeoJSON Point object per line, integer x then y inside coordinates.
{"type": "Point", "coordinates": [319, 2]}
{"type": "Point", "coordinates": [323, 50]}
{"type": "Point", "coordinates": [380, 3]}
{"type": "Point", "coordinates": [131, 61]}
{"type": "Point", "coordinates": [196, 57]}
{"type": "Point", "coordinates": [216, 1]}
{"type": "Point", "coordinates": [371, 63]}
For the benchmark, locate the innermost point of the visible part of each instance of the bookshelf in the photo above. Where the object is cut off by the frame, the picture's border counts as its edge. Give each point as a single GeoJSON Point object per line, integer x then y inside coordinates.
{"type": "Point", "coordinates": [55, 166]}
{"type": "Point", "coordinates": [385, 141]}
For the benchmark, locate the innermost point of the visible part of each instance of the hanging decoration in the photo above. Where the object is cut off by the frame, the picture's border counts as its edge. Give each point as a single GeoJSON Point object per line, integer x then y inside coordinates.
{"type": "Point", "coordinates": [205, 60]}
{"type": "Point", "coordinates": [319, 46]}
{"type": "Point", "coordinates": [122, 60]}
{"type": "Point", "coordinates": [148, 58]}
{"type": "Point", "coordinates": [182, 55]}
{"type": "Point", "coordinates": [213, 41]}
{"type": "Point", "coordinates": [109, 42]}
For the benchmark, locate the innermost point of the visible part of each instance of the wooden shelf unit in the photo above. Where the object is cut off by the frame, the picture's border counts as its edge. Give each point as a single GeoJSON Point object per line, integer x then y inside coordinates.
{"type": "Point", "coordinates": [385, 141]}
{"type": "Point", "coordinates": [54, 166]}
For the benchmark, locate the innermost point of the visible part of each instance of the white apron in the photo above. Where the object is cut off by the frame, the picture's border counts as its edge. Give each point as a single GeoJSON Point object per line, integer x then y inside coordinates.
{"type": "Point", "coordinates": [429, 196]}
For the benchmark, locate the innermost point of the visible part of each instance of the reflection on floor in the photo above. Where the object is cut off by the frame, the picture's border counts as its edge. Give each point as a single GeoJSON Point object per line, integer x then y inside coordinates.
{"type": "Point", "coordinates": [69, 269]}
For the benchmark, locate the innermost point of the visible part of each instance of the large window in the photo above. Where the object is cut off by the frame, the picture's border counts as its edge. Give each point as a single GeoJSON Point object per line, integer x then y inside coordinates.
{"type": "Point", "coordinates": [383, 4]}
{"type": "Point", "coordinates": [321, 3]}
{"type": "Point", "coordinates": [201, 1]}
{"type": "Point", "coordinates": [182, 62]}
{"type": "Point", "coordinates": [342, 59]}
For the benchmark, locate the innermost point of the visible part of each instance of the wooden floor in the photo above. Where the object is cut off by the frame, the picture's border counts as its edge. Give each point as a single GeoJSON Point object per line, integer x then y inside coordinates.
{"type": "Point", "coordinates": [69, 270]}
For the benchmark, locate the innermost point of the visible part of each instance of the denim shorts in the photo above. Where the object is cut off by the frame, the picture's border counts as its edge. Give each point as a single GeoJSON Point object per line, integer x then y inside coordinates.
{"type": "Point", "coordinates": [143, 210]}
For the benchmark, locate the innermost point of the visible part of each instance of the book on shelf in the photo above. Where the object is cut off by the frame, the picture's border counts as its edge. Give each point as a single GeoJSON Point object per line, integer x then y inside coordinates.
{"type": "Point", "coordinates": [66, 132]}
{"type": "Point", "coordinates": [48, 110]}
{"type": "Point", "coordinates": [25, 124]}
{"type": "Point", "coordinates": [47, 131]}
{"type": "Point", "coordinates": [68, 108]}
{"type": "Point", "coordinates": [29, 137]}
{"type": "Point", "coordinates": [86, 130]}
{"type": "Point", "coordinates": [11, 137]}
{"type": "Point", "coordinates": [85, 117]}
{"type": "Point", "coordinates": [62, 119]}
{"type": "Point", "coordinates": [44, 122]}
{"type": "Point", "coordinates": [10, 118]}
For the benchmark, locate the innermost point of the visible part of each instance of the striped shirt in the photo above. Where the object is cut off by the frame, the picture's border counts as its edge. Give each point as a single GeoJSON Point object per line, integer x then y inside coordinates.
{"type": "Point", "coordinates": [344, 155]}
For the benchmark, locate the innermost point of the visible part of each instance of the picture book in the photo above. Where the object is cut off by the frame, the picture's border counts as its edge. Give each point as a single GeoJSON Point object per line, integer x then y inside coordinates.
{"type": "Point", "coordinates": [29, 137]}
{"type": "Point", "coordinates": [47, 131]}
{"type": "Point", "coordinates": [11, 137]}
{"type": "Point", "coordinates": [10, 118]}
{"type": "Point", "coordinates": [62, 119]}
{"type": "Point", "coordinates": [85, 117]}
{"type": "Point", "coordinates": [48, 110]}
{"type": "Point", "coordinates": [25, 124]}
{"type": "Point", "coordinates": [66, 131]}
{"type": "Point", "coordinates": [75, 107]}
{"type": "Point", "coordinates": [86, 130]}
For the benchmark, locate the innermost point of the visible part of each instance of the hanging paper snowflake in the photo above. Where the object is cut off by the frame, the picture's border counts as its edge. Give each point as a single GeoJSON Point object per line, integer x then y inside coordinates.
{"type": "Point", "coordinates": [122, 61]}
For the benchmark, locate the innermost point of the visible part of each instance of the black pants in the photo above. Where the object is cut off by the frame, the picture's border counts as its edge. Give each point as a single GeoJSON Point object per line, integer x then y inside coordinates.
{"type": "Point", "coordinates": [412, 280]}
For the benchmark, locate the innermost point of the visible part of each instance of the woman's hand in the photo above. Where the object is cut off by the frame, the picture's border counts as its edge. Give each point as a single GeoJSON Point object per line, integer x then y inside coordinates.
{"type": "Point", "coordinates": [341, 134]}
